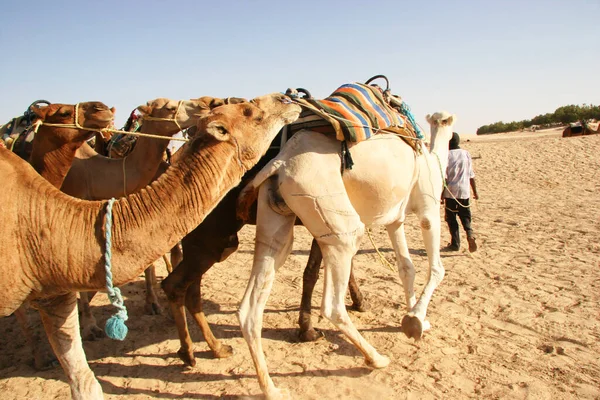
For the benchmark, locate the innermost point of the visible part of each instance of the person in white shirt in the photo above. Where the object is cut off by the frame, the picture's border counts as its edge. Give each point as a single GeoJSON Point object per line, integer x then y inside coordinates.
{"type": "Point", "coordinates": [460, 179]}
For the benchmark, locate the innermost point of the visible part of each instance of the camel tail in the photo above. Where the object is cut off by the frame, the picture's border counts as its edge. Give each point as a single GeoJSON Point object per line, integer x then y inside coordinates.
{"type": "Point", "coordinates": [249, 193]}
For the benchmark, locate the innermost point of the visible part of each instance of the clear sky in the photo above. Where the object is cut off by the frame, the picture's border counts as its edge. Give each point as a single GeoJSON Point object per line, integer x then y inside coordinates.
{"type": "Point", "coordinates": [484, 61]}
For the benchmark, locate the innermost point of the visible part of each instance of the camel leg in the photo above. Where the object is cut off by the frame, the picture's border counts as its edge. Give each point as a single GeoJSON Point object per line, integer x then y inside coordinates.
{"type": "Point", "coordinates": [337, 252]}
{"type": "Point", "coordinates": [406, 268]}
{"type": "Point", "coordinates": [183, 287]}
{"type": "Point", "coordinates": [311, 276]}
{"type": "Point", "coordinates": [43, 359]}
{"type": "Point", "coordinates": [152, 305]}
{"type": "Point", "coordinates": [193, 302]}
{"type": "Point", "coordinates": [175, 286]}
{"type": "Point", "coordinates": [90, 329]}
{"type": "Point", "coordinates": [273, 243]}
{"type": "Point", "coordinates": [176, 256]}
{"type": "Point", "coordinates": [414, 322]}
{"type": "Point", "coordinates": [358, 300]}
{"type": "Point", "coordinates": [61, 322]}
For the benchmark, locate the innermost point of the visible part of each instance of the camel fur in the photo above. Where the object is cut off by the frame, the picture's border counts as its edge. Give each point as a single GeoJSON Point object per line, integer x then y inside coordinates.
{"type": "Point", "coordinates": [61, 239]}
{"type": "Point", "coordinates": [388, 180]}
{"type": "Point", "coordinates": [52, 148]}
{"type": "Point", "coordinates": [95, 177]}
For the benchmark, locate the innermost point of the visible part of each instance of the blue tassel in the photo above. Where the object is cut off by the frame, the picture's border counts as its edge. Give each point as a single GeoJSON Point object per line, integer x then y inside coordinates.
{"type": "Point", "coordinates": [115, 328]}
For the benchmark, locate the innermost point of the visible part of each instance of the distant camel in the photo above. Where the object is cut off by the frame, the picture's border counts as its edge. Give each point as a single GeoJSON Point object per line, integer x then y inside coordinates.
{"type": "Point", "coordinates": [580, 130]}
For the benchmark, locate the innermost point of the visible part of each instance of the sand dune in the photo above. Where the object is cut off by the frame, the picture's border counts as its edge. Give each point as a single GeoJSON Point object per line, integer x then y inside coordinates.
{"type": "Point", "coordinates": [517, 319]}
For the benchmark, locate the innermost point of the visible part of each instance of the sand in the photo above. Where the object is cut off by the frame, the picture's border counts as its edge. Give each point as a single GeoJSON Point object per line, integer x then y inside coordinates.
{"type": "Point", "coordinates": [518, 319]}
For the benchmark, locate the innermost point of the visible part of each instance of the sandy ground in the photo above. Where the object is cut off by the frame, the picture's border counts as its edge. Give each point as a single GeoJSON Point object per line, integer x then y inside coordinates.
{"type": "Point", "coordinates": [518, 319]}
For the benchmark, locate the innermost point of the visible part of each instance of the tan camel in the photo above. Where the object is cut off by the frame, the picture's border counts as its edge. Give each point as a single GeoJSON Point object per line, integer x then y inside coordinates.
{"type": "Point", "coordinates": [52, 148]}
{"type": "Point", "coordinates": [62, 240]}
{"type": "Point", "coordinates": [95, 177]}
{"type": "Point", "coordinates": [388, 180]}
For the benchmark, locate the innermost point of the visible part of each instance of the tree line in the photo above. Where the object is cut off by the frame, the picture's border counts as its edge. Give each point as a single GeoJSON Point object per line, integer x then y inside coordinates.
{"type": "Point", "coordinates": [562, 115]}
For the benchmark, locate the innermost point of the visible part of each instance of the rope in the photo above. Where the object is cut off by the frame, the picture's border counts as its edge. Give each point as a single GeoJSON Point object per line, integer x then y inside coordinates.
{"type": "Point", "coordinates": [405, 110]}
{"type": "Point", "coordinates": [115, 326]}
{"type": "Point", "coordinates": [76, 125]}
{"type": "Point", "coordinates": [383, 260]}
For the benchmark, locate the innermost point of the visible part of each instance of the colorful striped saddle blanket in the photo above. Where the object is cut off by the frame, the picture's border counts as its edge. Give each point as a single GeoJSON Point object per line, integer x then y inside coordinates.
{"type": "Point", "coordinates": [356, 112]}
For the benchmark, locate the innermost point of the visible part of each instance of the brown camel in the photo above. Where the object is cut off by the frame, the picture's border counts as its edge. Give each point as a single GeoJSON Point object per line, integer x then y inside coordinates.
{"type": "Point", "coordinates": [52, 148]}
{"type": "Point", "coordinates": [583, 129]}
{"type": "Point", "coordinates": [95, 177]}
{"type": "Point", "coordinates": [62, 239]}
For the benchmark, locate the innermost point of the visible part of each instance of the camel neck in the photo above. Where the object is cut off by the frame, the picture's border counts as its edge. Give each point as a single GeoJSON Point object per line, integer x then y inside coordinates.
{"type": "Point", "coordinates": [146, 156]}
{"type": "Point", "coordinates": [145, 225]}
{"type": "Point", "coordinates": [52, 164]}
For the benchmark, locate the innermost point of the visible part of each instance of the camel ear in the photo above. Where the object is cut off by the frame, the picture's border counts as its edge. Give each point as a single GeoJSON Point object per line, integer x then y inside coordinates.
{"type": "Point", "coordinates": [218, 130]}
{"type": "Point", "coordinates": [450, 120]}
{"type": "Point", "coordinates": [113, 110]}
{"type": "Point", "coordinates": [145, 109]}
{"type": "Point", "coordinates": [428, 118]}
{"type": "Point", "coordinates": [39, 112]}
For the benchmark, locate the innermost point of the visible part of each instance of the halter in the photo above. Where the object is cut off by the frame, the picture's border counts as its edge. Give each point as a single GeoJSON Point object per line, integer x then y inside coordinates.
{"type": "Point", "coordinates": [174, 119]}
{"type": "Point", "coordinates": [76, 125]}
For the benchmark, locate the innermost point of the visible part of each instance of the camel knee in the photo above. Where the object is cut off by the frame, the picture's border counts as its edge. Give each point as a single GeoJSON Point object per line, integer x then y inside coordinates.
{"type": "Point", "coordinates": [425, 223]}
{"type": "Point", "coordinates": [336, 315]}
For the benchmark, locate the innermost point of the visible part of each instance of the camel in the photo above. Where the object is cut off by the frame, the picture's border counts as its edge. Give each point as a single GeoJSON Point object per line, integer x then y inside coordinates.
{"type": "Point", "coordinates": [213, 241]}
{"type": "Point", "coordinates": [95, 177]}
{"type": "Point", "coordinates": [388, 180]}
{"type": "Point", "coordinates": [62, 239]}
{"type": "Point", "coordinates": [579, 130]}
{"type": "Point", "coordinates": [52, 147]}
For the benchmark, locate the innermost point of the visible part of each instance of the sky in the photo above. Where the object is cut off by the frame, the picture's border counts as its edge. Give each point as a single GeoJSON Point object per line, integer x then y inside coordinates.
{"type": "Point", "coordinates": [484, 61]}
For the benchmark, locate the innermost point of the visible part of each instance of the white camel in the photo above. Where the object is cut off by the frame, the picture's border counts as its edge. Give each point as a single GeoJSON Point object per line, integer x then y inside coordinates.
{"type": "Point", "coordinates": [388, 180]}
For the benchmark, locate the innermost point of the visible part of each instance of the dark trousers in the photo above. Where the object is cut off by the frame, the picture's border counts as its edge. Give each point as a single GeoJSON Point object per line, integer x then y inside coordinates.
{"type": "Point", "coordinates": [464, 213]}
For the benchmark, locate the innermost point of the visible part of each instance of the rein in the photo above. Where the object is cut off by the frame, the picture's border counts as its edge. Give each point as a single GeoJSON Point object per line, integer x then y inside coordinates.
{"type": "Point", "coordinates": [76, 125]}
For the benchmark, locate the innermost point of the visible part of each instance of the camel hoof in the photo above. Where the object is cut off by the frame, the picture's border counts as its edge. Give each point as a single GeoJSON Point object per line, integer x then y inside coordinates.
{"type": "Point", "coordinates": [311, 335]}
{"type": "Point", "coordinates": [361, 307]}
{"type": "Point", "coordinates": [92, 332]}
{"type": "Point", "coordinates": [378, 362]}
{"type": "Point", "coordinates": [153, 308]}
{"type": "Point", "coordinates": [187, 357]}
{"type": "Point", "coordinates": [44, 362]}
{"type": "Point", "coordinates": [412, 327]}
{"type": "Point", "coordinates": [278, 394]}
{"type": "Point", "coordinates": [224, 351]}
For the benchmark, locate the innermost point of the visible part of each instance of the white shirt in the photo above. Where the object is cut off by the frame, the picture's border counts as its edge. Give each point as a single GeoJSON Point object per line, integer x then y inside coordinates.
{"type": "Point", "coordinates": [458, 174]}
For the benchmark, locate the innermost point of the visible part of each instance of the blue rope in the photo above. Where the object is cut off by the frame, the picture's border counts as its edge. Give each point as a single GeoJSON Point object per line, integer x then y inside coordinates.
{"type": "Point", "coordinates": [405, 110]}
{"type": "Point", "coordinates": [115, 326]}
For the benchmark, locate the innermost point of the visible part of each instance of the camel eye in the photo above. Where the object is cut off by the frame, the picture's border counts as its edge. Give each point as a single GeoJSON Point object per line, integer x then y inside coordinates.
{"type": "Point", "coordinates": [247, 112]}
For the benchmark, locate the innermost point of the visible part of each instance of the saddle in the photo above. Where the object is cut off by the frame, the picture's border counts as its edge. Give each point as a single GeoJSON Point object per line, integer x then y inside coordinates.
{"type": "Point", "coordinates": [354, 112]}
{"type": "Point", "coordinates": [17, 135]}
{"type": "Point", "coordinates": [120, 145]}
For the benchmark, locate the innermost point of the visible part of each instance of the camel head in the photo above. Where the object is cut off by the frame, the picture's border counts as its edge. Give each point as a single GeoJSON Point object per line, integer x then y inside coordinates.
{"type": "Point", "coordinates": [441, 130]}
{"type": "Point", "coordinates": [92, 114]}
{"type": "Point", "coordinates": [251, 126]}
{"type": "Point", "coordinates": [171, 116]}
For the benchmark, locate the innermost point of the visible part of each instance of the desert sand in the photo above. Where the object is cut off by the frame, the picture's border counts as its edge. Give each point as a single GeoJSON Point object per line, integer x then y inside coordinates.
{"type": "Point", "coordinates": [519, 318]}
